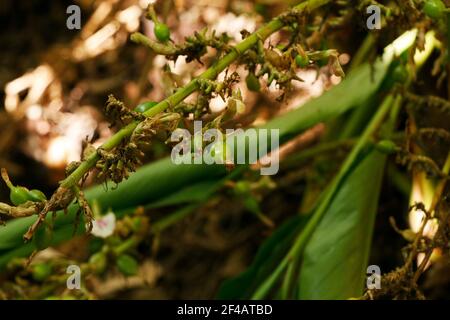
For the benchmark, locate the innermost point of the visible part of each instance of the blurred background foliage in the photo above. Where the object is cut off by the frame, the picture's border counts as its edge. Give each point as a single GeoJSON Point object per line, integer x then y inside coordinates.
{"type": "Point", "coordinates": [53, 85]}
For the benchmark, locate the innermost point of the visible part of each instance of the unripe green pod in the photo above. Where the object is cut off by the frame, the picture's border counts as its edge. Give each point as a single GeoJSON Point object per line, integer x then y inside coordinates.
{"type": "Point", "coordinates": [37, 195]}
{"type": "Point", "coordinates": [127, 265]}
{"type": "Point", "coordinates": [41, 271]}
{"type": "Point", "coordinates": [302, 61]}
{"type": "Point", "coordinates": [242, 187]}
{"type": "Point", "coordinates": [434, 9]}
{"type": "Point", "coordinates": [386, 146]}
{"type": "Point", "coordinates": [252, 82]}
{"type": "Point", "coordinates": [19, 195]}
{"type": "Point", "coordinates": [162, 32]}
{"type": "Point", "coordinates": [144, 106]}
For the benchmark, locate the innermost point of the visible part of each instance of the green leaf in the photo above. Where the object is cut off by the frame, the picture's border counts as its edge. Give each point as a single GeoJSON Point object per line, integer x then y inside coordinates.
{"type": "Point", "coordinates": [121, 199]}
{"type": "Point", "coordinates": [25, 249]}
{"type": "Point", "coordinates": [149, 184]}
{"type": "Point", "coordinates": [11, 235]}
{"type": "Point", "coordinates": [268, 256]}
{"type": "Point", "coordinates": [127, 265]}
{"type": "Point", "coordinates": [198, 192]}
{"type": "Point", "coordinates": [153, 182]}
{"type": "Point", "coordinates": [335, 258]}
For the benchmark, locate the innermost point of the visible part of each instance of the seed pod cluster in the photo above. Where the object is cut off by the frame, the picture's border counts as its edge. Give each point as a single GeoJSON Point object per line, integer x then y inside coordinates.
{"type": "Point", "coordinates": [195, 47]}
{"type": "Point", "coordinates": [118, 113]}
{"type": "Point", "coordinates": [20, 195]}
{"type": "Point", "coordinates": [116, 165]}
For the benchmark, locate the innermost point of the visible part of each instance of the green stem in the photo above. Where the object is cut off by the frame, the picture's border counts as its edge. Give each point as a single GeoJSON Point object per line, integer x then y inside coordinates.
{"type": "Point", "coordinates": [211, 73]}
{"type": "Point", "coordinates": [287, 284]}
{"type": "Point", "coordinates": [159, 48]}
{"type": "Point", "coordinates": [363, 52]}
{"type": "Point", "coordinates": [127, 244]}
{"type": "Point", "coordinates": [5, 178]}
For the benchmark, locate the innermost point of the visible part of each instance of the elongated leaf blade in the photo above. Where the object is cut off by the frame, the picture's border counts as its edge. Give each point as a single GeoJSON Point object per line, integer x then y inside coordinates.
{"type": "Point", "coordinates": [154, 182]}
{"type": "Point", "coordinates": [335, 258]}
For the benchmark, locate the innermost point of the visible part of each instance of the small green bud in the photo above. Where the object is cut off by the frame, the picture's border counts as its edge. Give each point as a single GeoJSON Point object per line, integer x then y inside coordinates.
{"type": "Point", "coordinates": [252, 82]}
{"type": "Point", "coordinates": [41, 271]}
{"type": "Point", "coordinates": [162, 32]}
{"type": "Point", "coordinates": [302, 61]}
{"type": "Point", "coordinates": [127, 265]}
{"type": "Point", "coordinates": [386, 146]}
{"type": "Point", "coordinates": [434, 8]}
{"type": "Point", "coordinates": [19, 195]}
{"type": "Point", "coordinates": [242, 187]}
{"type": "Point", "coordinates": [37, 195]}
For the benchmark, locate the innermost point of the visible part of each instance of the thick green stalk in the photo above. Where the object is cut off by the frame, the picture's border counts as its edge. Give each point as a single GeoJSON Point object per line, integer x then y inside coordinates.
{"type": "Point", "coordinates": [363, 52]}
{"type": "Point", "coordinates": [211, 73]}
